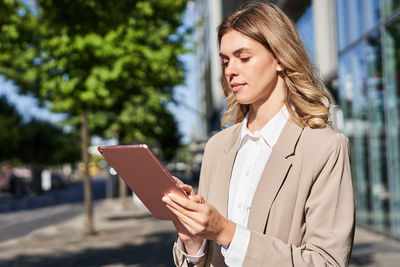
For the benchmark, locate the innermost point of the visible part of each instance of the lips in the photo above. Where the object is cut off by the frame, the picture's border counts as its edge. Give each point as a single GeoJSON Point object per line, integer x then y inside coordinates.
{"type": "Point", "coordinates": [236, 86]}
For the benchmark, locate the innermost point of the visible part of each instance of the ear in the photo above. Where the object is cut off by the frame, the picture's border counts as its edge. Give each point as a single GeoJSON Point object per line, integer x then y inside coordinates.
{"type": "Point", "coordinates": [279, 67]}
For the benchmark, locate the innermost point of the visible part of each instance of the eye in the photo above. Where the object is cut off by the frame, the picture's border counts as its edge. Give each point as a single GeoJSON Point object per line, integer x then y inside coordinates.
{"type": "Point", "coordinates": [244, 59]}
{"type": "Point", "coordinates": [225, 63]}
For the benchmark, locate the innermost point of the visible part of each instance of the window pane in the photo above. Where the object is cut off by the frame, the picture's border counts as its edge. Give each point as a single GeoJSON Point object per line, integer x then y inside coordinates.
{"type": "Point", "coordinates": [355, 19]}
{"type": "Point", "coordinates": [360, 135]}
{"type": "Point", "coordinates": [390, 6]}
{"type": "Point", "coordinates": [392, 70]}
{"type": "Point", "coordinates": [376, 134]}
{"type": "Point", "coordinates": [353, 101]}
{"type": "Point", "coordinates": [346, 83]}
{"type": "Point", "coordinates": [342, 23]}
{"type": "Point", "coordinates": [371, 14]}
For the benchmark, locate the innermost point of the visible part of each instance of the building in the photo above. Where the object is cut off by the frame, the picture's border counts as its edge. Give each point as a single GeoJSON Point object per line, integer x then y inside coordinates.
{"type": "Point", "coordinates": [357, 48]}
{"type": "Point", "coordinates": [209, 16]}
{"type": "Point", "coordinates": [369, 95]}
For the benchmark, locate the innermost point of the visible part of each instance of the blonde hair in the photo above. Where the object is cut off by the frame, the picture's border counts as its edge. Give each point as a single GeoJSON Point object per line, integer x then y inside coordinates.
{"type": "Point", "coordinates": [308, 103]}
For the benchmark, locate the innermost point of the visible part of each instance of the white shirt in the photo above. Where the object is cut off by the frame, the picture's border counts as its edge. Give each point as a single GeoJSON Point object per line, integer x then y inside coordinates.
{"type": "Point", "coordinates": [253, 153]}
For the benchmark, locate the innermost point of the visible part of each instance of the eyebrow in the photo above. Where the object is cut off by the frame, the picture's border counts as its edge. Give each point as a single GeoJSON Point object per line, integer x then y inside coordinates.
{"type": "Point", "coordinates": [236, 52]}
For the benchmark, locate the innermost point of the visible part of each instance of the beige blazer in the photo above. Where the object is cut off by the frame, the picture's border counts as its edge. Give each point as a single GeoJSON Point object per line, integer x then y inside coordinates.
{"type": "Point", "coordinates": [302, 212]}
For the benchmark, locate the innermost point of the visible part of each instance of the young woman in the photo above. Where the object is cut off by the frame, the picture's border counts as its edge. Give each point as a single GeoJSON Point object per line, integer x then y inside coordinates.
{"type": "Point", "coordinates": [275, 188]}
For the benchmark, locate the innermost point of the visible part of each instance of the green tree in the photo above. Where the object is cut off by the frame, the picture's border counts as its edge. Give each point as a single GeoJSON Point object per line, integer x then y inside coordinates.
{"type": "Point", "coordinates": [108, 64]}
{"type": "Point", "coordinates": [43, 143]}
{"type": "Point", "coordinates": [19, 45]}
{"type": "Point", "coordinates": [10, 128]}
{"type": "Point", "coordinates": [35, 142]}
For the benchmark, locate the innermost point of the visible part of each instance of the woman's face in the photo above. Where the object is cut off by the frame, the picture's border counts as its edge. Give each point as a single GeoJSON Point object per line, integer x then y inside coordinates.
{"type": "Point", "coordinates": [250, 69]}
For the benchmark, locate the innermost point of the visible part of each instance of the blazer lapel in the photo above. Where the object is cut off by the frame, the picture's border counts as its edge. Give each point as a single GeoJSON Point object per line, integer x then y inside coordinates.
{"type": "Point", "coordinates": [273, 176]}
{"type": "Point", "coordinates": [224, 171]}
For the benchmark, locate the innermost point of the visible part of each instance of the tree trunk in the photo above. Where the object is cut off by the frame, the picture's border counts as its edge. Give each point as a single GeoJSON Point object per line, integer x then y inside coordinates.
{"type": "Point", "coordinates": [89, 225]}
{"type": "Point", "coordinates": [122, 191]}
{"type": "Point", "coordinates": [36, 184]}
{"type": "Point", "coordinates": [123, 194]}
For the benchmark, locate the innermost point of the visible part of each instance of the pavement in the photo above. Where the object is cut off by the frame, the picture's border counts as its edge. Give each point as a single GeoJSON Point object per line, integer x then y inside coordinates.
{"type": "Point", "coordinates": [129, 237]}
{"type": "Point", "coordinates": [72, 193]}
{"type": "Point", "coordinates": [372, 249]}
{"type": "Point", "coordinates": [20, 223]}
{"type": "Point", "coordinates": [133, 237]}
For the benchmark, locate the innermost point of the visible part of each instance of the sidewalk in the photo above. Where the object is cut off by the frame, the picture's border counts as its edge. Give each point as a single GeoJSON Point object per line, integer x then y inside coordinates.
{"type": "Point", "coordinates": [373, 249]}
{"type": "Point", "coordinates": [125, 238]}
{"type": "Point", "coordinates": [135, 238]}
{"type": "Point", "coordinates": [72, 193]}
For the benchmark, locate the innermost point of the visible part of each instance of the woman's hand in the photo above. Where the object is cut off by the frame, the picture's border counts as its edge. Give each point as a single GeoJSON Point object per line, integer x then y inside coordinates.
{"type": "Point", "coordinates": [200, 219]}
{"type": "Point", "coordinates": [186, 188]}
{"type": "Point", "coordinates": [192, 243]}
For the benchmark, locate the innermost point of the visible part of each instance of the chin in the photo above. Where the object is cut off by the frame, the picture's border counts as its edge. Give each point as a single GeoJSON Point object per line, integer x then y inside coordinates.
{"type": "Point", "coordinates": [243, 100]}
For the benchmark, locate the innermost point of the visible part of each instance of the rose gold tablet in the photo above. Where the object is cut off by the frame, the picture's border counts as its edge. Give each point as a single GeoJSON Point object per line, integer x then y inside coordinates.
{"type": "Point", "coordinates": [144, 174]}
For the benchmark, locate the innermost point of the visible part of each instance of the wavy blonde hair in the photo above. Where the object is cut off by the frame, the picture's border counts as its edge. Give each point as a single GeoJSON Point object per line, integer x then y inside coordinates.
{"type": "Point", "coordinates": [307, 101]}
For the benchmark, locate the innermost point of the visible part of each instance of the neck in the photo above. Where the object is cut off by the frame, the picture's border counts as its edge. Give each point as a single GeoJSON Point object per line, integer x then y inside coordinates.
{"type": "Point", "coordinates": [260, 113]}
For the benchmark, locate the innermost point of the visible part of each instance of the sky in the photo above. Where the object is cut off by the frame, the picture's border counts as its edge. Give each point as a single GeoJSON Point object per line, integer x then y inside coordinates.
{"type": "Point", "coordinates": [26, 104]}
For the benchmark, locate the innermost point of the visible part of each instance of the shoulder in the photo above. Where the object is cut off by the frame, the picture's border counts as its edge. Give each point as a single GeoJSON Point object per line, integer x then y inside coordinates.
{"type": "Point", "coordinates": [323, 149]}
{"type": "Point", "coordinates": [221, 139]}
{"type": "Point", "coordinates": [323, 137]}
{"type": "Point", "coordinates": [323, 144]}
{"type": "Point", "coordinates": [214, 148]}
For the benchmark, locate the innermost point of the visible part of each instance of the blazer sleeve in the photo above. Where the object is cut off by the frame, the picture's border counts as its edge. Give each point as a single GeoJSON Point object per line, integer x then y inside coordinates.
{"type": "Point", "coordinates": [329, 220]}
{"type": "Point", "coordinates": [179, 258]}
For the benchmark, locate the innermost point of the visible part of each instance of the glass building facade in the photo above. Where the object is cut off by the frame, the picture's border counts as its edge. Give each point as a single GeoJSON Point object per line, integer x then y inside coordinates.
{"type": "Point", "coordinates": [369, 96]}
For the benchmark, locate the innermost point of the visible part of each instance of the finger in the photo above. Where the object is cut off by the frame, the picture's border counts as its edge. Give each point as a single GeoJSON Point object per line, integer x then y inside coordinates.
{"type": "Point", "coordinates": [194, 218]}
{"type": "Point", "coordinates": [177, 180]}
{"type": "Point", "coordinates": [184, 202]}
{"type": "Point", "coordinates": [183, 209]}
{"type": "Point", "coordinates": [191, 226]}
{"type": "Point", "coordinates": [197, 198]}
{"type": "Point", "coordinates": [194, 215]}
{"type": "Point", "coordinates": [188, 189]}
{"type": "Point", "coordinates": [188, 223]}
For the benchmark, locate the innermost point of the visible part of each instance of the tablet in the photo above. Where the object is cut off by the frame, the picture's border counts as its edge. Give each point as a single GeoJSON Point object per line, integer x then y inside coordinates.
{"type": "Point", "coordinates": [144, 174]}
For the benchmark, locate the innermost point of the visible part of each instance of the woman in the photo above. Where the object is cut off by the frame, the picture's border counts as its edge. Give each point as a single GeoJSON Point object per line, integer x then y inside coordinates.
{"type": "Point", "coordinates": [275, 188]}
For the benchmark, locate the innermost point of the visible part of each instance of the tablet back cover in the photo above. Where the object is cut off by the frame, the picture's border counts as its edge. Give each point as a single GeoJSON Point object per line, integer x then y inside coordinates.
{"type": "Point", "coordinates": [144, 174]}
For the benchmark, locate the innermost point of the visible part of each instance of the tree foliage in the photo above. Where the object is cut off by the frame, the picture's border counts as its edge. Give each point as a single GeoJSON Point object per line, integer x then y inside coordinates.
{"type": "Point", "coordinates": [18, 45]}
{"type": "Point", "coordinates": [109, 65]}
{"type": "Point", "coordinates": [116, 59]}
{"type": "Point", "coordinates": [44, 143]}
{"type": "Point", "coordinates": [10, 126]}
{"type": "Point", "coordinates": [35, 142]}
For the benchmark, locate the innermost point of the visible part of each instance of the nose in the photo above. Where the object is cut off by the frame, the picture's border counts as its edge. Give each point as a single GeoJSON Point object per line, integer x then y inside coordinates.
{"type": "Point", "coordinates": [231, 69]}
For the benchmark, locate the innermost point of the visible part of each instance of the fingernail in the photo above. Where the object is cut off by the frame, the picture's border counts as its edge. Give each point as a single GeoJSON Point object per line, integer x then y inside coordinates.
{"type": "Point", "coordinates": [165, 199]}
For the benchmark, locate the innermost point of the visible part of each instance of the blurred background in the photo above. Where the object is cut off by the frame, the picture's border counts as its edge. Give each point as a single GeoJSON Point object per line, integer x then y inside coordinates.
{"type": "Point", "coordinates": [82, 73]}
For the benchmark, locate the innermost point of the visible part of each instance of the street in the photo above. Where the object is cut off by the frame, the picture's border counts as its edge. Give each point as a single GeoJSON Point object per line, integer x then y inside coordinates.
{"type": "Point", "coordinates": [20, 216]}
{"type": "Point", "coordinates": [124, 238]}
{"type": "Point", "coordinates": [17, 224]}
{"type": "Point", "coordinates": [52, 234]}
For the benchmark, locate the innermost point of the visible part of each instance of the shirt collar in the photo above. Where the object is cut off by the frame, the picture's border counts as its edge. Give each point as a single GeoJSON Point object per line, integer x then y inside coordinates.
{"type": "Point", "coordinates": [270, 132]}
